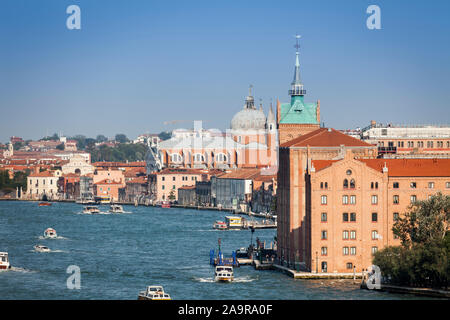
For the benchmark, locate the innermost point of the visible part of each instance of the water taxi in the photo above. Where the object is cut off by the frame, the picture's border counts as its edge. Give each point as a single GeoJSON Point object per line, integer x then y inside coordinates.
{"type": "Point", "coordinates": [103, 199]}
{"type": "Point", "coordinates": [50, 233]}
{"type": "Point", "coordinates": [223, 274]}
{"type": "Point", "coordinates": [41, 248]}
{"type": "Point", "coordinates": [154, 293]}
{"type": "Point", "coordinates": [115, 208]}
{"type": "Point", "coordinates": [91, 209]}
{"type": "Point", "coordinates": [44, 204]}
{"type": "Point", "coordinates": [220, 225]}
{"type": "Point", "coordinates": [235, 222]}
{"type": "Point", "coordinates": [4, 261]}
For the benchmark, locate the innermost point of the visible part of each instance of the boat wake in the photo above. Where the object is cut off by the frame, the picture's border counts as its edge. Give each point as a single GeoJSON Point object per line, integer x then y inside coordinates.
{"type": "Point", "coordinates": [237, 279]}
{"type": "Point", "coordinates": [56, 238]}
{"type": "Point", "coordinates": [17, 269]}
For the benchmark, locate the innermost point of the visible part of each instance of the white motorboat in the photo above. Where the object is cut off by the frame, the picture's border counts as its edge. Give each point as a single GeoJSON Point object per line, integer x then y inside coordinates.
{"type": "Point", "coordinates": [154, 293]}
{"type": "Point", "coordinates": [220, 225]}
{"type": "Point", "coordinates": [115, 208]}
{"type": "Point", "coordinates": [4, 261]}
{"type": "Point", "coordinates": [50, 233]}
{"type": "Point", "coordinates": [91, 210]}
{"type": "Point", "coordinates": [41, 248]}
{"type": "Point", "coordinates": [223, 274]}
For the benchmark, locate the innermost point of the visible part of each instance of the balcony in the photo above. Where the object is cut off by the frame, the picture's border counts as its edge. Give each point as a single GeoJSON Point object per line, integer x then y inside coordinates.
{"type": "Point", "coordinates": [383, 150]}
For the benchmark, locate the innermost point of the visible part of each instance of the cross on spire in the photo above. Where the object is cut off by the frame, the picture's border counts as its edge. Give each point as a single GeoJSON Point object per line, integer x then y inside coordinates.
{"type": "Point", "coordinates": [250, 87]}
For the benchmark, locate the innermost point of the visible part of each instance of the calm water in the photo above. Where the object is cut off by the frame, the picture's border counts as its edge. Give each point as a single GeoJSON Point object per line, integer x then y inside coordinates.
{"type": "Point", "coordinates": [120, 255]}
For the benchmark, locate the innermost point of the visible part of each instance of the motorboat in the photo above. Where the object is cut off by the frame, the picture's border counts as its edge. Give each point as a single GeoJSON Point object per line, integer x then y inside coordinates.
{"type": "Point", "coordinates": [44, 204]}
{"type": "Point", "coordinates": [4, 261]}
{"type": "Point", "coordinates": [50, 233]}
{"type": "Point", "coordinates": [116, 208]}
{"type": "Point", "coordinates": [91, 210]}
{"type": "Point", "coordinates": [165, 204]}
{"type": "Point", "coordinates": [154, 293]}
{"type": "Point", "coordinates": [223, 274]}
{"type": "Point", "coordinates": [220, 225]}
{"type": "Point", "coordinates": [242, 253]}
{"type": "Point", "coordinates": [41, 248]}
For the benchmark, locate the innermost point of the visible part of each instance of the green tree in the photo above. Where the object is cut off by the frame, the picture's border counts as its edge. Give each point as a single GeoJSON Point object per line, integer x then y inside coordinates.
{"type": "Point", "coordinates": [101, 138]}
{"type": "Point", "coordinates": [171, 196]}
{"type": "Point", "coordinates": [121, 138]}
{"type": "Point", "coordinates": [60, 146]}
{"type": "Point", "coordinates": [164, 135]}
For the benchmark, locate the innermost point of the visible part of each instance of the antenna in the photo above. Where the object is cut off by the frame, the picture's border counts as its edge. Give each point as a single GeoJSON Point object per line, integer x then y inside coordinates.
{"type": "Point", "coordinates": [297, 44]}
{"type": "Point", "coordinates": [250, 87]}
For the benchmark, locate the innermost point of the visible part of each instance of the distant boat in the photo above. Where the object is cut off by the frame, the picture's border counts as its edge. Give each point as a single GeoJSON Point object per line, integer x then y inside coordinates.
{"type": "Point", "coordinates": [41, 248]}
{"type": "Point", "coordinates": [165, 204]}
{"type": "Point", "coordinates": [154, 293]}
{"type": "Point", "coordinates": [50, 233]}
{"type": "Point", "coordinates": [223, 274]}
{"type": "Point", "coordinates": [220, 225]}
{"type": "Point", "coordinates": [115, 208]}
{"type": "Point", "coordinates": [44, 204]}
{"type": "Point", "coordinates": [91, 209]}
{"type": "Point", "coordinates": [4, 261]}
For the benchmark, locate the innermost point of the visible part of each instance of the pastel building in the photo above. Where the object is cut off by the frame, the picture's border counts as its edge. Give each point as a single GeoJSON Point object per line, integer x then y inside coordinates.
{"type": "Point", "coordinates": [169, 180]}
{"type": "Point", "coordinates": [43, 184]}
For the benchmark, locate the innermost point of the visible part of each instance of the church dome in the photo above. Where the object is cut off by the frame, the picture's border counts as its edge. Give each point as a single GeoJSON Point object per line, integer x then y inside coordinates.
{"type": "Point", "coordinates": [249, 118]}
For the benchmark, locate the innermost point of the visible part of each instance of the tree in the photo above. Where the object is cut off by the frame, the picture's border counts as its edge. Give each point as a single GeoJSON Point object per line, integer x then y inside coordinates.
{"type": "Point", "coordinates": [121, 138]}
{"type": "Point", "coordinates": [54, 137]}
{"type": "Point", "coordinates": [171, 196]}
{"type": "Point", "coordinates": [426, 221]}
{"type": "Point", "coordinates": [60, 146]}
{"type": "Point", "coordinates": [423, 259]}
{"type": "Point", "coordinates": [101, 138]}
{"type": "Point", "coordinates": [164, 135]}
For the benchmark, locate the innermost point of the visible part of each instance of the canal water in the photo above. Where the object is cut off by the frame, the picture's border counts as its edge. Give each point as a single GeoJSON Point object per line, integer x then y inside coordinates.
{"type": "Point", "coordinates": [120, 254]}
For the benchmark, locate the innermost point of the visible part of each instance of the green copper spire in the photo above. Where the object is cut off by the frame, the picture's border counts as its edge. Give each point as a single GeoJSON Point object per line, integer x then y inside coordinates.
{"type": "Point", "coordinates": [297, 85]}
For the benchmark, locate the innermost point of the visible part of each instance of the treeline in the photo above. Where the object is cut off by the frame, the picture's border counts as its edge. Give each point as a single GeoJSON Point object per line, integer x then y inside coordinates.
{"type": "Point", "coordinates": [119, 153]}
{"type": "Point", "coordinates": [8, 185]}
{"type": "Point", "coordinates": [423, 259]}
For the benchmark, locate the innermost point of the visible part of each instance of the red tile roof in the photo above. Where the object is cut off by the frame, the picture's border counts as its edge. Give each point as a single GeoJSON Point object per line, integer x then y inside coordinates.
{"type": "Point", "coordinates": [42, 174]}
{"type": "Point", "coordinates": [180, 171]}
{"type": "Point", "coordinates": [241, 174]}
{"type": "Point", "coordinates": [326, 137]}
{"type": "Point", "coordinates": [411, 167]}
{"type": "Point", "coordinates": [108, 181]}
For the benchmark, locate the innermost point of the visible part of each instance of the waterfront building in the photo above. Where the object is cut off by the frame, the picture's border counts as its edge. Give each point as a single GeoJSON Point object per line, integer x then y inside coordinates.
{"type": "Point", "coordinates": [292, 187]}
{"type": "Point", "coordinates": [352, 205]}
{"type": "Point", "coordinates": [86, 187]}
{"type": "Point", "coordinates": [187, 196]}
{"type": "Point", "coordinates": [43, 185]}
{"type": "Point", "coordinates": [135, 188]}
{"type": "Point", "coordinates": [169, 180]}
{"type": "Point", "coordinates": [297, 117]}
{"type": "Point", "coordinates": [408, 140]}
{"type": "Point", "coordinates": [108, 187]}
{"type": "Point", "coordinates": [264, 194]}
{"type": "Point", "coordinates": [116, 175]}
{"type": "Point", "coordinates": [250, 142]}
{"type": "Point", "coordinates": [78, 164]}
{"type": "Point", "coordinates": [203, 193]}
{"type": "Point", "coordinates": [69, 186]}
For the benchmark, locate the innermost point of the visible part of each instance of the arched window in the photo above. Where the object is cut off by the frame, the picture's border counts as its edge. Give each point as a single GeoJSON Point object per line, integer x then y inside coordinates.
{"type": "Point", "coordinates": [326, 185]}
{"type": "Point", "coordinates": [198, 157]}
{"type": "Point", "coordinates": [352, 183]}
{"type": "Point", "coordinates": [221, 157]}
{"type": "Point", "coordinates": [345, 183]}
{"type": "Point", "coordinates": [176, 158]}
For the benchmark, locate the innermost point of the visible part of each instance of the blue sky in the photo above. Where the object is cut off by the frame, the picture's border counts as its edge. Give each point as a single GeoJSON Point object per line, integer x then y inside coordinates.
{"type": "Point", "coordinates": [136, 64]}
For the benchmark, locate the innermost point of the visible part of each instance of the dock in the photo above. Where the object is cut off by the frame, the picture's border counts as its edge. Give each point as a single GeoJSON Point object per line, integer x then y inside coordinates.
{"type": "Point", "coordinates": [312, 275]}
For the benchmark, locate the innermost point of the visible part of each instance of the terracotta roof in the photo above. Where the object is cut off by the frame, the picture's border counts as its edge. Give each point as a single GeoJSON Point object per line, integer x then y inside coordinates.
{"type": "Point", "coordinates": [180, 171]}
{"type": "Point", "coordinates": [322, 164]}
{"type": "Point", "coordinates": [241, 174]}
{"type": "Point", "coordinates": [187, 187]}
{"type": "Point", "coordinates": [109, 181]}
{"type": "Point", "coordinates": [325, 137]}
{"type": "Point", "coordinates": [42, 174]}
{"type": "Point", "coordinates": [140, 180]}
{"type": "Point", "coordinates": [411, 167]}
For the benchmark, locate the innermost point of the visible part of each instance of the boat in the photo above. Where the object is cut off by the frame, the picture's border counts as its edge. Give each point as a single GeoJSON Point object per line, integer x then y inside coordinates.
{"type": "Point", "coordinates": [154, 293]}
{"type": "Point", "coordinates": [91, 209]}
{"type": "Point", "coordinates": [220, 225]}
{"type": "Point", "coordinates": [102, 199]}
{"type": "Point", "coordinates": [50, 233]}
{"type": "Point", "coordinates": [41, 248]}
{"type": "Point", "coordinates": [4, 261]}
{"type": "Point", "coordinates": [115, 208]}
{"type": "Point", "coordinates": [223, 274]}
{"type": "Point", "coordinates": [242, 253]}
{"type": "Point", "coordinates": [44, 204]}
{"type": "Point", "coordinates": [165, 204]}
{"type": "Point", "coordinates": [235, 222]}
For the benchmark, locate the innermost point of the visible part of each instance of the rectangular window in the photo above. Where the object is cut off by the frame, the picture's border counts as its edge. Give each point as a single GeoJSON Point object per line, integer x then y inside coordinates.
{"type": "Point", "coordinates": [323, 199]}
{"type": "Point", "coordinates": [413, 198]}
{"type": "Point", "coordinates": [396, 199]}
{"type": "Point", "coordinates": [431, 185]}
{"type": "Point", "coordinates": [163, 187]}
{"type": "Point", "coordinates": [374, 199]}
{"type": "Point", "coordinates": [447, 185]}
{"type": "Point", "coordinates": [353, 234]}
{"type": "Point", "coordinates": [374, 217]}
{"type": "Point", "coordinates": [324, 251]}
{"type": "Point", "coordinates": [344, 199]}
{"type": "Point", "coordinates": [163, 178]}
{"type": "Point", "coordinates": [413, 185]}
{"type": "Point", "coordinates": [349, 265]}
{"type": "Point", "coordinates": [374, 235]}
{"type": "Point", "coordinates": [353, 216]}
{"type": "Point", "coordinates": [173, 178]}
{"type": "Point", "coordinates": [323, 217]}
{"type": "Point", "coordinates": [395, 216]}
{"type": "Point", "coordinates": [345, 234]}
{"type": "Point", "coordinates": [374, 249]}
{"type": "Point", "coordinates": [324, 235]}
{"type": "Point", "coordinates": [345, 217]}
{"type": "Point", "coordinates": [345, 251]}
{"type": "Point", "coordinates": [353, 251]}
{"type": "Point", "coordinates": [352, 199]}
{"type": "Point", "coordinates": [395, 185]}
{"type": "Point", "coordinates": [324, 266]}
